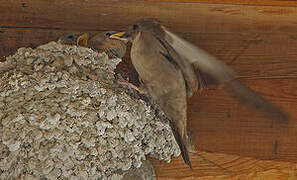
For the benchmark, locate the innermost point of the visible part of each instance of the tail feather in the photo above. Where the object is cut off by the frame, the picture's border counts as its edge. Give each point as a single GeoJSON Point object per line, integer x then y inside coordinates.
{"type": "Point", "coordinates": [181, 143]}
{"type": "Point", "coordinates": [246, 95]}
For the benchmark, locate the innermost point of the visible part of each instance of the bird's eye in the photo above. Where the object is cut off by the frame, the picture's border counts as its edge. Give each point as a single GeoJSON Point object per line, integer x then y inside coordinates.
{"type": "Point", "coordinates": [71, 37]}
{"type": "Point", "coordinates": [108, 34]}
{"type": "Point", "coordinates": [135, 26]}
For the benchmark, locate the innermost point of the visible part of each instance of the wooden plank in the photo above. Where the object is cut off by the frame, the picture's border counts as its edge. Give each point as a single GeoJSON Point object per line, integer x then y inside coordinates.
{"type": "Point", "coordinates": [279, 3]}
{"type": "Point", "coordinates": [260, 55]}
{"type": "Point", "coordinates": [223, 125]}
{"type": "Point", "coordinates": [181, 17]}
{"type": "Point", "coordinates": [212, 166]}
{"type": "Point", "coordinates": [12, 39]}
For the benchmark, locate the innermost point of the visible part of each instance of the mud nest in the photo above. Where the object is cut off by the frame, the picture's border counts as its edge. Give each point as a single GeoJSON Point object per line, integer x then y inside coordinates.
{"type": "Point", "coordinates": [63, 115]}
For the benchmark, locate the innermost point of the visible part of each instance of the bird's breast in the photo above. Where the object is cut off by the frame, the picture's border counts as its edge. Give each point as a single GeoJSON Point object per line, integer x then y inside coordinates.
{"type": "Point", "coordinates": [152, 67]}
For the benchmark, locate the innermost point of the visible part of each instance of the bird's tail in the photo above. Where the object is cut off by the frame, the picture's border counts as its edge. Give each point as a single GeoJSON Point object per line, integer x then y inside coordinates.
{"type": "Point", "coordinates": [181, 141]}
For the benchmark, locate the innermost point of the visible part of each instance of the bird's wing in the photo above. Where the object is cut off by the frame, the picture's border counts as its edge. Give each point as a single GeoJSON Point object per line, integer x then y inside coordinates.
{"type": "Point", "coordinates": [195, 79]}
{"type": "Point", "coordinates": [191, 79]}
{"type": "Point", "coordinates": [222, 74]}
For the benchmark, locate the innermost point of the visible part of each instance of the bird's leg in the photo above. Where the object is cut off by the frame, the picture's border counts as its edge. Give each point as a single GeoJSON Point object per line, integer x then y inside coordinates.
{"type": "Point", "coordinates": [122, 81]}
{"type": "Point", "coordinates": [190, 145]}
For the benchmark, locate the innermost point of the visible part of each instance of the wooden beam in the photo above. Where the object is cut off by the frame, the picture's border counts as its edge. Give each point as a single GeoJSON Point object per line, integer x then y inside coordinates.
{"type": "Point", "coordinates": [217, 166]}
{"type": "Point", "coordinates": [180, 16]}
{"type": "Point", "coordinates": [279, 3]}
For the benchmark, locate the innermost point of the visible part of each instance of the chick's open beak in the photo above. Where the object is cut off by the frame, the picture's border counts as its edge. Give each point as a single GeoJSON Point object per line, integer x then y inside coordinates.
{"type": "Point", "coordinates": [119, 36]}
{"type": "Point", "coordinates": [82, 40]}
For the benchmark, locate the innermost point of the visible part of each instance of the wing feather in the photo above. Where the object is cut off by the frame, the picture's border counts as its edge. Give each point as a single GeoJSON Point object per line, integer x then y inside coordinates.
{"type": "Point", "coordinates": [222, 74]}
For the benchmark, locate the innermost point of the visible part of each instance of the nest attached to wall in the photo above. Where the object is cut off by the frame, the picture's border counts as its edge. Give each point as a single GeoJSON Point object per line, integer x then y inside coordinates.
{"type": "Point", "coordinates": [63, 115]}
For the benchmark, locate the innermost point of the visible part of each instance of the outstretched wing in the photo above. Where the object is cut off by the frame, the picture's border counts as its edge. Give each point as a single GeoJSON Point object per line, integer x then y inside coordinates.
{"type": "Point", "coordinates": [222, 74]}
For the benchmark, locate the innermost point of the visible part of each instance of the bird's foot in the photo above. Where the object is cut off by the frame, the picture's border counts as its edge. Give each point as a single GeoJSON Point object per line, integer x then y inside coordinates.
{"type": "Point", "coordinates": [190, 145]}
{"type": "Point", "coordinates": [125, 82]}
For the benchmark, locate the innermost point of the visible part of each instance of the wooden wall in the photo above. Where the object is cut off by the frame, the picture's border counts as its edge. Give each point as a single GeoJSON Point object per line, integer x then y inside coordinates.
{"type": "Point", "coordinates": [256, 38]}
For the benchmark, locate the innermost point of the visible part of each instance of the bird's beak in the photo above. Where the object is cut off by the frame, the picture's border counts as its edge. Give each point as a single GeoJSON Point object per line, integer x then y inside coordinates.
{"type": "Point", "coordinates": [119, 36]}
{"type": "Point", "coordinates": [82, 40]}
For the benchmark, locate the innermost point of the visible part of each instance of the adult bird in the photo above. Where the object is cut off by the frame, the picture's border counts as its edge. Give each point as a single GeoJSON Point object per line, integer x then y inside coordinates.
{"type": "Point", "coordinates": [172, 69]}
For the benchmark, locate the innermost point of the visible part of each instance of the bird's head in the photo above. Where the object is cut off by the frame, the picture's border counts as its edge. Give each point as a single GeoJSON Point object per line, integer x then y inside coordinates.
{"type": "Point", "coordinates": [102, 36]}
{"type": "Point", "coordinates": [74, 39]}
{"type": "Point", "coordinates": [149, 25]}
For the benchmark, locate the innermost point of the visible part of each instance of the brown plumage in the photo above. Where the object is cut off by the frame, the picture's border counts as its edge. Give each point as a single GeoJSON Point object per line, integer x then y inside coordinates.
{"type": "Point", "coordinates": [102, 42]}
{"type": "Point", "coordinates": [79, 39]}
{"type": "Point", "coordinates": [172, 69]}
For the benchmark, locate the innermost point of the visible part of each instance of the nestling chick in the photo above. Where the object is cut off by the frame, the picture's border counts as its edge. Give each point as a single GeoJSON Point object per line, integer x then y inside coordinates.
{"type": "Point", "coordinates": [102, 42]}
{"type": "Point", "coordinates": [74, 39]}
{"type": "Point", "coordinates": [168, 66]}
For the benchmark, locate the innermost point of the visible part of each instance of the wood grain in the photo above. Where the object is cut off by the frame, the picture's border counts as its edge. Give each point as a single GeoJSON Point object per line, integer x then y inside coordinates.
{"type": "Point", "coordinates": [224, 125]}
{"type": "Point", "coordinates": [256, 38]}
{"type": "Point", "coordinates": [13, 38]}
{"type": "Point", "coordinates": [181, 17]}
{"type": "Point", "coordinates": [217, 166]}
{"type": "Point", "coordinates": [279, 3]}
